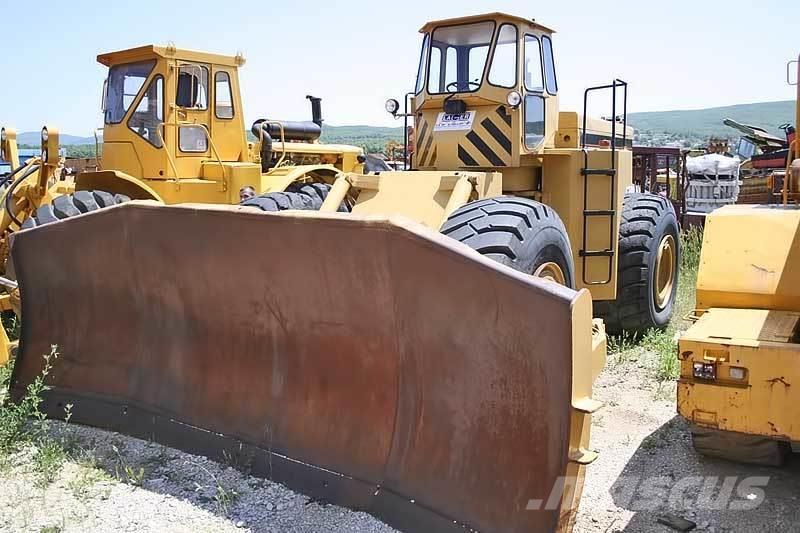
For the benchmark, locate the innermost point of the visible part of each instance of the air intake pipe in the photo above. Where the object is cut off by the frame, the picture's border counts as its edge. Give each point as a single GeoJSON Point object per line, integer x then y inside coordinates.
{"type": "Point", "coordinates": [268, 130]}
{"type": "Point", "coordinates": [292, 130]}
{"type": "Point", "coordinates": [261, 132]}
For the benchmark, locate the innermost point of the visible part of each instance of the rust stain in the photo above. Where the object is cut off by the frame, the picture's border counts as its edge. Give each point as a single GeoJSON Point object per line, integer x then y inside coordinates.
{"type": "Point", "coordinates": [773, 381]}
{"type": "Point", "coordinates": [280, 366]}
{"type": "Point", "coordinates": [762, 269]}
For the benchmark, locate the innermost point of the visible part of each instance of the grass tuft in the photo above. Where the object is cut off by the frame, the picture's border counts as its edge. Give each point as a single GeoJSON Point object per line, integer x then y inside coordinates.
{"type": "Point", "coordinates": [127, 473]}
{"type": "Point", "coordinates": [224, 497]}
{"type": "Point", "coordinates": [664, 345]}
{"type": "Point", "coordinates": [691, 244]}
{"type": "Point", "coordinates": [621, 348]}
{"type": "Point", "coordinates": [661, 345]}
{"type": "Point", "coordinates": [14, 416]}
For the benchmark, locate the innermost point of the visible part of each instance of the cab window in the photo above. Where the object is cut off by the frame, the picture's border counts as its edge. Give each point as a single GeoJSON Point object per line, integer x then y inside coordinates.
{"type": "Point", "coordinates": [149, 114]}
{"type": "Point", "coordinates": [192, 87]}
{"type": "Point", "coordinates": [422, 58]}
{"type": "Point", "coordinates": [549, 65]}
{"type": "Point", "coordinates": [461, 59]}
{"type": "Point", "coordinates": [192, 139]}
{"type": "Point", "coordinates": [223, 96]}
{"type": "Point", "coordinates": [123, 86]}
{"type": "Point", "coordinates": [533, 65]}
{"type": "Point", "coordinates": [503, 71]}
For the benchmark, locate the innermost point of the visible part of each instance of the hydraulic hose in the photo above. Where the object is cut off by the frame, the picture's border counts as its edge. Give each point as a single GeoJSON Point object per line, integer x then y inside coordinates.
{"type": "Point", "coordinates": [10, 191]}
{"type": "Point", "coordinates": [12, 174]}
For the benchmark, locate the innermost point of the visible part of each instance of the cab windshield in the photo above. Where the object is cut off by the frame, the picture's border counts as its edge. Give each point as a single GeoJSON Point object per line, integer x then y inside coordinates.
{"type": "Point", "coordinates": [458, 57]}
{"type": "Point", "coordinates": [124, 83]}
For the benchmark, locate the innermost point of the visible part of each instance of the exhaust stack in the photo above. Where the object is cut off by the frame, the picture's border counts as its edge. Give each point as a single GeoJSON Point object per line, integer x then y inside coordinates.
{"type": "Point", "coordinates": [316, 110]}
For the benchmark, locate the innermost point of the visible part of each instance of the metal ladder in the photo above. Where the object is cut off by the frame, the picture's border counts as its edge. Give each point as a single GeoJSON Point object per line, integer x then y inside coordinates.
{"type": "Point", "coordinates": [588, 172]}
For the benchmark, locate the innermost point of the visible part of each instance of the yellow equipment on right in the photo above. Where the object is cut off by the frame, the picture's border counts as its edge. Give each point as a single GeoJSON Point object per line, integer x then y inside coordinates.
{"type": "Point", "coordinates": [739, 377]}
{"type": "Point", "coordinates": [739, 371]}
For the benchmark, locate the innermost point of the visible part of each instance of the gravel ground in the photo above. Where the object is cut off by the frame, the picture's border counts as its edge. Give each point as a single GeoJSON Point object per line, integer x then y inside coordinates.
{"type": "Point", "coordinates": [641, 439]}
{"type": "Point", "coordinates": [119, 483]}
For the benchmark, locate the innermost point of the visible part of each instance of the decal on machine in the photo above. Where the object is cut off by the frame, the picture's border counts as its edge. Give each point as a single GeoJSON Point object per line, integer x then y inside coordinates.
{"type": "Point", "coordinates": [454, 122]}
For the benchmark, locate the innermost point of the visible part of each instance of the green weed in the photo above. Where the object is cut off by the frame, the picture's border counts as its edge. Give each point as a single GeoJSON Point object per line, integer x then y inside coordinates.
{"type": "Point", "coordinates": [621, 348]}
{"type": "Point", "coordinates": [15, 429]}
{"type": "Point", "coordinates": [664, 345]}
{"type": "Point", "coordinates": [125, 472]}
{"type": "Point", "coordinates": [224, 497]}
{"type": "Point", "coordinates": [691, 244]}
{"type": "Point", "coordinates": [48, 460]}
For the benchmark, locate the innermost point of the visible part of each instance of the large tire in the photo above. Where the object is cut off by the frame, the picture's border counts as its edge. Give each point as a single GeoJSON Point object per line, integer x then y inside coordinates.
{"type": "Point", "coordinates": [280, 201]}
{"type": "Point", "coordinates": [647, 273]}
{"type": "Point", "coordinates": [317, 192]}
{"type": "Point", "coordinates": [70, 205]}
{"type": "Point", "coordinates": [302, 196]}
{"type": "Point", "coordinates": [524, 234]}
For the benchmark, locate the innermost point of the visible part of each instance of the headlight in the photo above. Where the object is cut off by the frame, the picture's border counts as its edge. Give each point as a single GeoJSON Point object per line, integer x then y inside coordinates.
{"type": "Point", "coordinates": [44, 156]}
{"type": "Point", "coordinates": [392, 106]}
{"type": "Point", "coordinates": [45, 136]}
{"type": "Point", "coordinates": [704, 370]}
{"type": "Point", "coordinates": [3, 135]}
{"type": "Point", "coordinates": [514, 99]}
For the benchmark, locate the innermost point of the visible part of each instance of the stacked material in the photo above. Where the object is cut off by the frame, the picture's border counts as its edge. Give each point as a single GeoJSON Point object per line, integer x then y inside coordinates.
{"type": "Point", "coordinates": [713, 182]}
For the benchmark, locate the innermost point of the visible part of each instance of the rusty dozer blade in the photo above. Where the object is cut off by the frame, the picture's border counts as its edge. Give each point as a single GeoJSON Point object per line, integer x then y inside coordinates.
{"type": "Point", "coordinates": [367, 362]}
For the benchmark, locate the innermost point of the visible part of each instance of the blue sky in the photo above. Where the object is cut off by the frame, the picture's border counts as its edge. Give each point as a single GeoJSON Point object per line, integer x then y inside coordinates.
{"type": "Point", "coordinates": [355, 54]}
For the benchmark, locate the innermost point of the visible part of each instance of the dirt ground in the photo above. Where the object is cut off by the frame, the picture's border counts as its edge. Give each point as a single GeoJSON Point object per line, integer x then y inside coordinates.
{"type": "Point", "coordinates": [646, 468]}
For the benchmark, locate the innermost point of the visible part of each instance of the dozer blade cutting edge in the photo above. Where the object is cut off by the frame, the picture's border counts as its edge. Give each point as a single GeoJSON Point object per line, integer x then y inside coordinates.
{"type": "Point", "coordinates": [367, 362]}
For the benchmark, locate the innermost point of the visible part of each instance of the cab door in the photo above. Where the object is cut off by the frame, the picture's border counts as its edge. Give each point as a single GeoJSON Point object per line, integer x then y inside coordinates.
{"type": "Point", "coordinates": [192, 102]}
{"type": "Point", "coordinates": [226, 121]}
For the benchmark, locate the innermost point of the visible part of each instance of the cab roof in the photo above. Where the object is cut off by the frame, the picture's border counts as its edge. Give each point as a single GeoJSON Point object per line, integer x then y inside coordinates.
{"type": "Point", "coordinates": [151, 51]}
{"type": "Point", "coordinates": [496, 15]}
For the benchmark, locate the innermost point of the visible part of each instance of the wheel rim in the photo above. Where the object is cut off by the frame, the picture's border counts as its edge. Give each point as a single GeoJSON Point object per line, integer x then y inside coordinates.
{"type": "Point", "coordinates": [665, 271]}
{"type": "Point", "coordinates": [551, 272]}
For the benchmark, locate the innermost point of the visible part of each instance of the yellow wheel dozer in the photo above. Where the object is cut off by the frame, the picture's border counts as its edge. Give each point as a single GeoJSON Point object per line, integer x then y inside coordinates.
{"type": "Point", "coordinates": [365, 361]}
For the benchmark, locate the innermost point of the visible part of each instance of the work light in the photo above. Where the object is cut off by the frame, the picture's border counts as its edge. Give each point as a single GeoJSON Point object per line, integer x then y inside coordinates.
{"type": "Point", "coordinates": [514, 99]}
{"type": "Point", "coordinates": [392, 106]}
{"type": "Point", "coordinates": [704, 370]}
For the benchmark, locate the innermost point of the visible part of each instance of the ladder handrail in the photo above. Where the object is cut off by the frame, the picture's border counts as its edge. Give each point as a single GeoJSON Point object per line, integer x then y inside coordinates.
{"type": "Point", "coordinates": [611, 172]}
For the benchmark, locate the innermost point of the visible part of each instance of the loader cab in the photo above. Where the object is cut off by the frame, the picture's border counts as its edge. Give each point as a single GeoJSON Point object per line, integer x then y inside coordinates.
{"type": "Point", "coordinates": [167, 111]}
{"type": "Point", "coordinates": [486, 93]}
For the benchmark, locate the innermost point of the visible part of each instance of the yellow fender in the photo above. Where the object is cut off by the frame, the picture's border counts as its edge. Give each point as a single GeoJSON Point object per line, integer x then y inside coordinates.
{"type": "Point", "coordinates": [116, 182]}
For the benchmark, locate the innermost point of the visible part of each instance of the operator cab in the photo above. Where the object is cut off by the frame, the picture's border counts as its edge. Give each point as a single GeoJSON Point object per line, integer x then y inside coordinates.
{"type": "Point", "coordinates": [491, 77]}
{"type": "Point", "coordinates": [168, 111]}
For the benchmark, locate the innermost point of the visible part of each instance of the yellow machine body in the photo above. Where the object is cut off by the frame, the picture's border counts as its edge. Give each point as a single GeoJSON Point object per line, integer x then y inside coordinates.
{"type": "Point", "coordinates": [492, 155]}
{"type": "Point", "coordinates": [748, 333]}
{"type": "Point", "coordinates": [192, 147]}
{"type": "Point", "coordinates": [9, 150]}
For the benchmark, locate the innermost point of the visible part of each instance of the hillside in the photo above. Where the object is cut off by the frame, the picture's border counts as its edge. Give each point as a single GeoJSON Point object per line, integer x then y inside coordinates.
{"type": "Point", "coordinates": [370, 138]}
{"type": "Point", "coordinates": [689, 127]}
{"type": "Point", "coordinates": [33, 138]}
{"type": "Point", "coordinates": [708, 122]}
